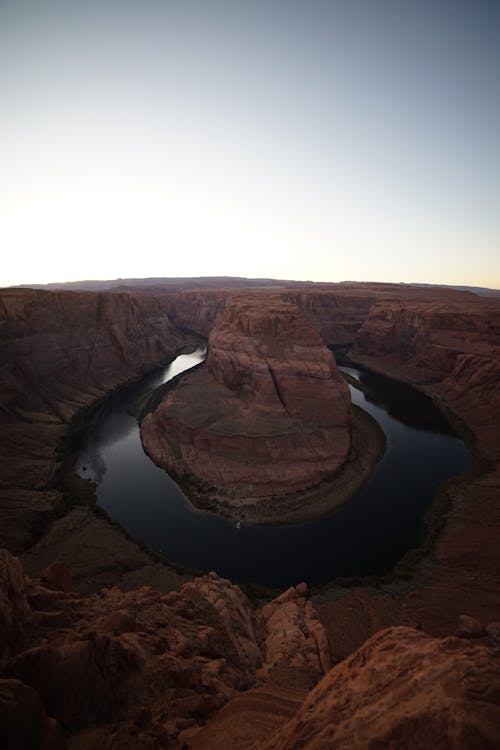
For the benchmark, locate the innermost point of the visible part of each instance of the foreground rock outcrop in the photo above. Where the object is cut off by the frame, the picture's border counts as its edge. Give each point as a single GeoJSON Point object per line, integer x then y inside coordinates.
{"type": "Point", "coordinates": [267, 415]}
{"type": "Point", "coordinates": [402, 689]}
{"type": "Point", "coordinates": [140, 668]}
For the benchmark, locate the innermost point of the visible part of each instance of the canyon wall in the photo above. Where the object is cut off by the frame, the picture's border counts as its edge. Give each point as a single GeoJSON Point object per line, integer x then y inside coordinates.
{"type": "Point", "coordinates": [60, 352]}
{"type": "Point", "coordinates": [196, 310]}
{"type": "Point", "coordinates": [58, 345]}
{"type": "Point", "coordinates": [139, 669]}
{"type": "Point", "coordinates": [337, 311]}
{"type": "Point", "coordinates": [452, 349]}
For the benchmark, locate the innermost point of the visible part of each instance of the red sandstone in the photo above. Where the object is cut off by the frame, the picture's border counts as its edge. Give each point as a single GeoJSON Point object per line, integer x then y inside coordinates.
{"type": "Point", "coordinates": [268, 415]}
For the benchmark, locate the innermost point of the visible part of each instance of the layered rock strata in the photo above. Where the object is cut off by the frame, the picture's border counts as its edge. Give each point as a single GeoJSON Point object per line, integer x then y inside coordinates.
{"type": "Point", "coordinates": [267, 415]}
{"type": "Point", "coordinates": [450, 349]}
{"type": "Point", "coordinates": [337, 311]}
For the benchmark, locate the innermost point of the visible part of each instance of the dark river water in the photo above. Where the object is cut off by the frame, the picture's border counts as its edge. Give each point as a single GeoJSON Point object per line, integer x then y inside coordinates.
{"type": "Point", "coordinates": [367, 535]}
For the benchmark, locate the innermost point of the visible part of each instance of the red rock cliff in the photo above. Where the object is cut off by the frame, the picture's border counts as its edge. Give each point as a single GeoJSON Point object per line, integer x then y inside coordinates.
{"type": "Point", "coordinates": [60, 351]}
{"type": "Point", "coordinates": [139, 669]}
{"type": "Point", "coordinates": [401, 689]}
{"type": "Point", "coordinates": [337, 311]}
{"type": "Point", "coordinates": [196, 310]}
{"type": "Point", "coordinates": [452, 349]}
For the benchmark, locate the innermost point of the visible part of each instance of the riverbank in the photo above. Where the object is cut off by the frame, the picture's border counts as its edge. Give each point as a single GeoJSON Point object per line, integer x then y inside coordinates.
{"type": "Point", "coordinates": [368, 444]}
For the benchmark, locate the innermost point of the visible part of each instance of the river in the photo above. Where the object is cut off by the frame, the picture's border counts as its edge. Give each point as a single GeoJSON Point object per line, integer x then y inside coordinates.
{"type": "Point", "coordinates": [365, 536]}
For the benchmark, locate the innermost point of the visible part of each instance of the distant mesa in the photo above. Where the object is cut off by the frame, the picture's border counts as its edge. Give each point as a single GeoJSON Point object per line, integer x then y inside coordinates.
{"type": "Point", "coordinates": [157, 284]}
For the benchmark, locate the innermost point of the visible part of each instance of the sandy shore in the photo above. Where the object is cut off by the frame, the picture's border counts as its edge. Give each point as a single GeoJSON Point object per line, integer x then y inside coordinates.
{"type": "Point", "coordinates": [368, 445]}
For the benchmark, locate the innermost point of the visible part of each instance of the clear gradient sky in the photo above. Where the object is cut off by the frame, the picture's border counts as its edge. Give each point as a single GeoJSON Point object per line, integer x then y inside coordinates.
{"type": "Point", "coordinates": [322, 140]}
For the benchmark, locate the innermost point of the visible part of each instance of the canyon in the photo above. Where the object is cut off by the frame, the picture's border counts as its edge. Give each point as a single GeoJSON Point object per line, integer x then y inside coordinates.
{"type": "Point", "coordinates": [166, 659]}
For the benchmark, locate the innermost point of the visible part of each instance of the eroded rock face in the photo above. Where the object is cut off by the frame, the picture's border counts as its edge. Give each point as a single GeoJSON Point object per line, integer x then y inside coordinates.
{"type": "Point", "coordinates": [65, 348]}
{"type": "Point", "coordinates": [59, 352]}
{"type": "Point", "coordinates": [196, 310]}
{"type": "Point", "coordinates": [401, 689]}
{"type": "Point", "coordinates": [337, 311]}
{"type": "Point", "coordinates": [268, 414]}
{"type": "Point", "coordinates": [428, 342]}
{"type": "Point", "coordinates": [272, 358]}
{"type": "Point", "coordinates": [139, 668]}
{"type": "Point", "coordinates": [296, 647]}
{"type": "Point", "coordinates": [96, 554]}
{"type": "Point", "coordinates": [249, 718]}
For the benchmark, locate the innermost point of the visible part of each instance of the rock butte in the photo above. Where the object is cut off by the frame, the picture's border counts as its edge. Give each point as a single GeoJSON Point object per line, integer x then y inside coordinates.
{"type": "Point", "coordinates": [267, 414]}
{"type": "Point", "coordinates": [90, 657]}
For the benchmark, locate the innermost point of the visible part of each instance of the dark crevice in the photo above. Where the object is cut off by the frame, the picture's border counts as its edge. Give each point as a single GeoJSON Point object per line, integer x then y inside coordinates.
{"type": "Point", "coordinates": [277, 389]}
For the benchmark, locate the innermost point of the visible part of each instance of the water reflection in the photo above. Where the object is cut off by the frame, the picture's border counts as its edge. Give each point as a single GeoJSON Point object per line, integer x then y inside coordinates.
{"type": "Point", "coordinates": [406, 404]}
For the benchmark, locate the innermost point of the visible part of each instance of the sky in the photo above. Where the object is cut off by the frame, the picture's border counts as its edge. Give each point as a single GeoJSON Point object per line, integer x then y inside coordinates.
{"type": "Point", "coordinates": [311, 140]}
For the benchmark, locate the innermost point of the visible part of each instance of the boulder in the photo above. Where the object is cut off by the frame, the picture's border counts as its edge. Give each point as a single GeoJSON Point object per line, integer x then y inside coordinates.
{"type": "Point", "coordinates": [401, 689]}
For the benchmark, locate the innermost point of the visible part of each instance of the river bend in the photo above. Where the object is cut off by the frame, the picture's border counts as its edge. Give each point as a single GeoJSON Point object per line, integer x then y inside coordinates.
{"type": "Point", "coordinates": [365, 536]}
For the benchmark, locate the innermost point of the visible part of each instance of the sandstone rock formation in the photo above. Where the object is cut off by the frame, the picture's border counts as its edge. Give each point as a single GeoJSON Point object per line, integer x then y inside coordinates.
{"type": "Point", "coordinates": [402, 689]}
{"type": "Point", "coordinates": [249, 718]}
{"type": "Point", "coordinates": [337, 311]}
{"type": "Point", "coordinates": [15, 612]}
{"type": "Point", "coordinates": [197, 310]}
{"type": "Point", "coordinates": [447, 343]}
{"type": "Point", "coordinates": [143, 669]}
{"type": "Point", "coordinates": [295, 645]}
{"type": "Point", "coordinates": [137, 669]}
{"type": "Point", "coordinates": [268, 414]}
